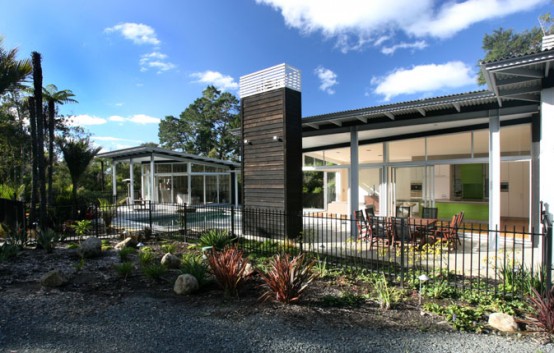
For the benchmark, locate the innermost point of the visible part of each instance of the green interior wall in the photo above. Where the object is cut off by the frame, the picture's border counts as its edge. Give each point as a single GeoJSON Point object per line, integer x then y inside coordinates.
{"type": "Point", "coordinates": [472, 211]}
{"type": "Point", "coordinates": [472, 181]}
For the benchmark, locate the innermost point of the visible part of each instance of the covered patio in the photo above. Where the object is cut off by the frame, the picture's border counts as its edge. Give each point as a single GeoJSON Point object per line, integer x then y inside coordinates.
{"type": "Point", "coordinates": [170, 177]}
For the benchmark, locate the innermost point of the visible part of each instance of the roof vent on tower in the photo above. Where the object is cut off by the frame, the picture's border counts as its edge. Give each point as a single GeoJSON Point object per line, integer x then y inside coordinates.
{"type": "Point", "coordinates": [547, 26]}
{"type": "Point", "coordinates": [275, 77]}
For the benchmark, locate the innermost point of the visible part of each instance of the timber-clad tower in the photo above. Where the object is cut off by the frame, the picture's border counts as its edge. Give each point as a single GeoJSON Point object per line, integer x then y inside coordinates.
{"type": "Point", "coordinates": [272, 146]}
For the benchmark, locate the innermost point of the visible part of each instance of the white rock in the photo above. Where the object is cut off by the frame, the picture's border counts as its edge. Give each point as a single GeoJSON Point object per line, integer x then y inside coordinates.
{"type": "Point", "coordinates": [503, 322]}
{"type": "Point", "coordinates": [127, 243]}
{"type": "Point", "coordinates": [91, 247]}
{"type": "Point", "coordinates": [186, 284]}
{"type": "Point", "coordinates": [171, 261]}
{"type": "Point", "coordinates": [53, 279]}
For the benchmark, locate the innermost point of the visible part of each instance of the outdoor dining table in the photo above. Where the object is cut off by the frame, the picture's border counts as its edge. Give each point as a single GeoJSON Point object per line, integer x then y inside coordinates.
{"type": "Point", "coordinates": [421, 227]}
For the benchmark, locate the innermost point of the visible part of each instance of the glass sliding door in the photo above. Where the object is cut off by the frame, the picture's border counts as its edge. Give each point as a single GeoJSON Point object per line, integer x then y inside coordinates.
{"type": "Point", "coordinates": [410, 190]}
{"type": "Point", "coordinates": [369, 192]}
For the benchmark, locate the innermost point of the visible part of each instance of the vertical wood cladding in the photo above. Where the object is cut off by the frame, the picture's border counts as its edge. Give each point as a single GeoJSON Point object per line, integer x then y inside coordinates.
{"type": "Point", "coordinates": [272, 169]}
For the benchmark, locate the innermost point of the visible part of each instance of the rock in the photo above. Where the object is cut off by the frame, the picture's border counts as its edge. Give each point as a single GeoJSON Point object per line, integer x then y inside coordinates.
{"type": "Point", "coordinates": [248, 270]}
{"type": "Point", "coordinates": [503, 322]}
{"type": "Point", "coordinates": [53, 279]}
{"type": "Point", "coordinates": [171, 261]}
{"type": "Point", "coordinates": [127, 243]}
{"type": "Point", "coordinates": [91, 247]}
{"type": "Point", "coordinates": [186, 284]}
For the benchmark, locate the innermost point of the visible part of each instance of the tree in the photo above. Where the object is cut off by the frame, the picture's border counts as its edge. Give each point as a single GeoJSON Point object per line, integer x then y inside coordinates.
{"type": "Point", "coordinates": [204, 128]}
{"type": "Point", "coordinates": [39, 141]}
{"type": "Point", "coordinates": [53, 97]}
{"type": "Point", "coordinates": [504, 43]}
{"type": "Point", "coordinates": [12, 71]}
{"type": "Point", "coordinates": [77, 155]}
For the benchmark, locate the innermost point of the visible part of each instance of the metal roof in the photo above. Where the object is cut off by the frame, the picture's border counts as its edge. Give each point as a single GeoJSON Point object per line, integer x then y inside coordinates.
{"type": "Point", "coordinates": [144, 153]}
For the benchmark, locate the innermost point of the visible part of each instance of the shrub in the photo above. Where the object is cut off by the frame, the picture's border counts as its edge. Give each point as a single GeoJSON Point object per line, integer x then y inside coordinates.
{"type": "Point", "coordinates": [8, 251]}
{"type": "Point", "coordinates": [228, 268]}
{"type": "Point", "coordinates": [82, 227]}
{"type": "Point", "coordinates": [125, 252]}
{"type": "Point", "coordinates": [287, 278]}
{"type": "Point", "coordinates": [193, 264]}
{"type": "Point", "coordinates": [169, 248]}
{"type": "Point", "coordinates": [154, 270]}
{"type": "Point", "coordinates": [215, 238]}
{"type": "Point", "coordinates": [544, 309]}
{"type": "Point", "coordinates": [346, 299]}
{"type": "Point", "coordinates": [146, 256]}
{"type": "Point", "coordinates": [386, 295]}
{"type": "Point", "coordinates": [48, 239]}
{"type": "Point", "coordinates": [16, 237]}
{"type": "Point", "coordinates": [124, 269]}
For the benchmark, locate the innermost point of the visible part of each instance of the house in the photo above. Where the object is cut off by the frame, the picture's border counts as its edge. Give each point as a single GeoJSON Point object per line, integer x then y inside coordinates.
{"type": "Point", "coordinates": [175, 177]}
{"type": "Point", "coordinates": [487, 153]}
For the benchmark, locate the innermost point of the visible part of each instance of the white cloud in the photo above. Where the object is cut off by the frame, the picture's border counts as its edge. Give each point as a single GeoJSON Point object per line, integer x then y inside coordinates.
{"type": "Point", "coordinates": [217, 79]}
{"type": "Point", "coordinates": [136, 119]}
{"type": "Point", "coordinates": [155, 60]}
{"type": "Point", "coordinates": [420, 44]}
{"type": "Point", "coordinates": [138, 33]}
{"type": "Point", "coordinates": [84, 120]}
{"type": "Point", "coordinates": [355, 23]}
{"type": "Point", "coordinates": [328, 79]}
{"type": "Point", "coordinates": [424, 79]}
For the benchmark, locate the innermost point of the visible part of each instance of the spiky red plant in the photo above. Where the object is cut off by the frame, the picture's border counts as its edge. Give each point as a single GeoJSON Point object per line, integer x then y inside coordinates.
{"type": "Point", "coordinates": [228, 268]}
{"type": "Point", "coordinates": [544, 309]}
{"type": "Point", "coordinates": [287, 278]}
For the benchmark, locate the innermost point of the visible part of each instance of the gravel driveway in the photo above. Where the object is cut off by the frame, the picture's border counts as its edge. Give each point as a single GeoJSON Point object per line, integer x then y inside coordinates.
{"type": "Point", "coordinates": [36, 320]}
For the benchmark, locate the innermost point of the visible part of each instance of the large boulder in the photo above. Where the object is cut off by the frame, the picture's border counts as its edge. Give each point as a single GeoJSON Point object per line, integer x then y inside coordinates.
{"type": "Point", "coordinates": [186, 284]}
{"type": "Point", "coordinates": [91, 247]}
{"type": "Point", "coordinates": [52, 279]}
{"type": "Point", "coordinates": [503, 322]}
{"type": "Point", "coordinates": [171, 261]}
{"type": "Point", "coordinates": [127, 243]}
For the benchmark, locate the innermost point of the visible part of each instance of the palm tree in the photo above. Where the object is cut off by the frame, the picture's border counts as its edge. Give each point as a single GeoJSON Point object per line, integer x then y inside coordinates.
{"type": "Point", "coordinates": [39, 115]}
{"type": "Point", "coordinates": [52, 97]}
{"type": "Point", "coordinates": [12, 71]}
{"type": "Point", "coordinates": [77, 156]}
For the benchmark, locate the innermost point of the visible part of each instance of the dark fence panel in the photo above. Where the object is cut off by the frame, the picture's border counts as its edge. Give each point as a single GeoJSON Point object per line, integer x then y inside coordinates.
{"type": "Point", "coordinates": [12, 213]}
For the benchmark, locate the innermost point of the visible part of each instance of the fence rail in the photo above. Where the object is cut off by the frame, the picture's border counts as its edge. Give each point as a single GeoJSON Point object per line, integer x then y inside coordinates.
{"type": "Point", "coordinates": [471, 257]}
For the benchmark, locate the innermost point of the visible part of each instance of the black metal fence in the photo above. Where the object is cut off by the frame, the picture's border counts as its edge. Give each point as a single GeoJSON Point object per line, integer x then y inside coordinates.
{"type": "Point", "coordinates": [470, 256]}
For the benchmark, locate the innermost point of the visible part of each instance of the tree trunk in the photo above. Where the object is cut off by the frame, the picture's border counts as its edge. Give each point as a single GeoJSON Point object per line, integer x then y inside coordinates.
{"type": "Point", "coordinates": [51, 127]}
{"type": "Point", "coordinates": [34, 167]}
{"type": "Point", "coordinates": [37, 84]}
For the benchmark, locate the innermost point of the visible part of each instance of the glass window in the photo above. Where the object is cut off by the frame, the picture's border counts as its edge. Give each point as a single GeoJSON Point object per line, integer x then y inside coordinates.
{"type": "Point", "coordinates": [515, 140]}
{"type": "Point", "coordinates": [480, 143]}
{"type": "Point", "coordinates": [163, 168]}
{"type": "Point", "coordinates": [197, 168]}
{"type": "Point", "coordinates": [407, 150]}
{"type": "Point", "coordinates": [224, 192]}
{"type": "Point", "coordinates": [451, 146]}
{"type": "Point", "coordinates": [371, 153]}
{"type": "Point", "coordinates": [180, 168]}
{"type": "Point", "coordinates": [180, 188]}
{"type": "Point", "coordinates": [197, 189]}
{"type": "Point", "coordinates": [211, 189]}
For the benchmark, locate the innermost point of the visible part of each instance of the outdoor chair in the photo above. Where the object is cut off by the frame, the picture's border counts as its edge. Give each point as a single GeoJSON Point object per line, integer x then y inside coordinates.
{"type": "Point", "coordinates": [429, 212]}
{"type": "Point", "coordinates": [361, 223]}
{"type": "Point", "coordinates": [369, 211]}
{"type": "Point", "coordinates": [401, 231]}
{"type": "Point", "coordinates": [379, 230]}
{"type": "Point", "coordinates": [403, 211]}
{"type": "Point", "coordinates": [450, 233]}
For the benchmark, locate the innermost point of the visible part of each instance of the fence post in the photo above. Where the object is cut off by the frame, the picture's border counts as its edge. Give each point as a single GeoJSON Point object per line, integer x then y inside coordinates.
{"type": "Point", "coordinates": [547, 253]}
{"type": "Point", "coordinates": [232, 221]}
{"type": "Point", "coordinates": [403, 224]}
{"type": "Point", "coordinates": [185, 220]}
{"type": "Point", "coordinates": [150, 215]}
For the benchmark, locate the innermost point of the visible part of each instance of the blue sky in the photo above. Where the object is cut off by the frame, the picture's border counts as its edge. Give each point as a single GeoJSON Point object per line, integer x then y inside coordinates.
{"type": "Point", "coordinates": [131, 63]}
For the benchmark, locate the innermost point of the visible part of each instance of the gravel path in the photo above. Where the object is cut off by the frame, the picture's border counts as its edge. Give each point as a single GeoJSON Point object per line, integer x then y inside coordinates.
{"type": "Point", "coordinates": [57, 321]}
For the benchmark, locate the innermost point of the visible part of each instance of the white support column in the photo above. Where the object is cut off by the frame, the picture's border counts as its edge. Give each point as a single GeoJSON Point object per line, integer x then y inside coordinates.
{"type": "Point", "coordinates": [325, 191]}
{"type": "Point", "coordinates": [114, 181]}
{"type": "Point", "coordinates": [354, 172]}
{"type": "Point", "coordinates": [535, 211]}
{"type": "Point", "coordinates": [131, 183]}
{"type": "Point", "coordinates": [384, 189]}
{"type": "Point", "coordinates": [547, 150]}
{"type": "Point", "coordinates": [236, 188]}
{"type": "Point", "coordinates": [153, 196]}
{"type": "Point", "coordinates": [189, 184]}
{"type": "Point", "coordinates": [494, 176]}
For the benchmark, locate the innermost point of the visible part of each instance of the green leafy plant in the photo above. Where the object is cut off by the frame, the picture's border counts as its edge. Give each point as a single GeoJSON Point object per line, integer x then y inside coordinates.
{"type": "Point", "coordinates": [125, 252]}
{"type": "Point", "coordinates": [320, 267]}
{"type": "Point", "coordinates": [82, 227]}
{"type": "Point", "coordinates": [17, 237]}
{"type": "Point", "coordinates": [216, 238]}
{"type": "Point", "coordinates": [287, 278]}
{"type": "Point", "coordinates": [107, 212]}
{"type": "Point", "coordinates": [195, 265]}
{"type": "Point", "coordinates": [169, 248]}
{"type": "Point", "coordinates": [72, 246]}
{"type": "Point", "coordinates": [154, 270]}
{"type": "Point", "coordinates": [48, 239]}
{"type": "Point", "coordinates": [386, 295]}
{"type": "Point", "coordinates": [439, 289]}
{"type": "Point", "coordinates": [346, 299]}
{"type": "Point", "coordinates": [146, 256]}
{"type": "Point", "coordinates": [8, 251]}
{"type": "Point", "coordinates": [124, 269]}
{"type": "Point", "coordinates": [543, 306]}
{"type": "Point", "coordinates": [228, 268]}
{"type": "Point", "coordinates": [462, 318]}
